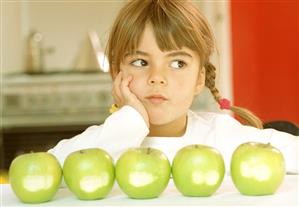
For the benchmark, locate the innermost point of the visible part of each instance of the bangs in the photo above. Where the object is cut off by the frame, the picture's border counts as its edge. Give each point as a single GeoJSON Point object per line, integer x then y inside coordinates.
{"type": "Point", "coordinates": [174, 24]}
{"type": "Point", "coordinates": [172, 28]}
{"type": "Point", "coordinates": [172, 32]}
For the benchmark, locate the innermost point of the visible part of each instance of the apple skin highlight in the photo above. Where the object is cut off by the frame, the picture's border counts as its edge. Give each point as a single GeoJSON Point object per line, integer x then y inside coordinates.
{"type": "Point", "coordinates": [143, 173]}
{"type": "Point", "coordinates": [198, 170]}
{"type": "Point", "coordinates": [35, 177]}
{"type": "Point", "coordinates": [257, 169]}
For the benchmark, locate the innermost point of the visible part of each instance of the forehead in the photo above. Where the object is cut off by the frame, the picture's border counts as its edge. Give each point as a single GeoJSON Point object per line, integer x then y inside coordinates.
{"type": "Point", "coordinates": [147, 43]}
{"type": "Point", "coordinates": [148, 38]}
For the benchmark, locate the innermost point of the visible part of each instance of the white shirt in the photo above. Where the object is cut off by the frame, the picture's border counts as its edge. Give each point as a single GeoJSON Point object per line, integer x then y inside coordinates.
{"type": "Point", "coordinates": [126, 128]}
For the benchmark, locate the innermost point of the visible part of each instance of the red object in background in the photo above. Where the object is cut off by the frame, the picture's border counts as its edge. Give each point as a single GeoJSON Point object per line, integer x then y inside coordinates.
{"type": "Point", "coordinates": [265, 45]}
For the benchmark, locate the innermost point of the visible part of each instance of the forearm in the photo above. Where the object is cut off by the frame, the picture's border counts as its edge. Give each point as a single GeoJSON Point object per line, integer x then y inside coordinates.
{"type": "Point", "coordinates": [121, 130]}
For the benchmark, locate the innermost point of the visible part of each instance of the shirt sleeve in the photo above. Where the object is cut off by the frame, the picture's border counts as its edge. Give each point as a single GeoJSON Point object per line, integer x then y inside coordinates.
{"type": "Point", "coordinates": [123, 129]}
{"type": "Point", "coordinates": [231, 133]}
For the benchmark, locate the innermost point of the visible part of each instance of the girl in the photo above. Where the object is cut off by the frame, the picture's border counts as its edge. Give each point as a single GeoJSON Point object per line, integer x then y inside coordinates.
{"type": "Point", "coordinates": [159, 52]}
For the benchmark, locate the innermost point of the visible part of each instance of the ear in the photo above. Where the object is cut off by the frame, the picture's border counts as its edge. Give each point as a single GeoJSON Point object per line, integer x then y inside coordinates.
{"type": "Point", "coordinates": [201, 79]}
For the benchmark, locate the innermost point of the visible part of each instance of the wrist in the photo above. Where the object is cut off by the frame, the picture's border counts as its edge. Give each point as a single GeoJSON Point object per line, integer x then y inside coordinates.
{"type": "Point", "coordinates": [141, 111]}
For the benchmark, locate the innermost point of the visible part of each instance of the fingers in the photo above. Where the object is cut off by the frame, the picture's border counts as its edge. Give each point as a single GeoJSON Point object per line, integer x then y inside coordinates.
{"type": "Point", "coordinates": [124, 96]}
{"type": "Point", "coordinates": [121, 91]}
{"type": "Point", "coordinates": [124, 88]}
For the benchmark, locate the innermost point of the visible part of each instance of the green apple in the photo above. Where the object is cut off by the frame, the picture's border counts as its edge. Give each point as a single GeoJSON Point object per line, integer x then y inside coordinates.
{"type": "Point", "coordinates": [35, 177]}
{"type": "Point", "coordinates": [257, 169]}
{"type": "Point", "coordinates": [89, 173]}
{"type": "Point", "coordinates": [197, 170]}
{"type": "Point", "coordinates": [143, 173]}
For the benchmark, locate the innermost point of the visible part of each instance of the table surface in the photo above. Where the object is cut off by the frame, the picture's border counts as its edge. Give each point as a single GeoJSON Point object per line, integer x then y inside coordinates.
{"type": "Point", "coordinates": [226, 195]}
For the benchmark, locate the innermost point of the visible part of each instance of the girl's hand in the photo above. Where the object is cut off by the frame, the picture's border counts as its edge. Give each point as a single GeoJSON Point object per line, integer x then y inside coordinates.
{"type": "Point", "coordinates": [123, 96]}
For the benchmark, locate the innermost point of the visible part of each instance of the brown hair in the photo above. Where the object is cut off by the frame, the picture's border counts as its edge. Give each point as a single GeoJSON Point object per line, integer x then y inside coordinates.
{"type": "Point", "coordinates": [176, 23]}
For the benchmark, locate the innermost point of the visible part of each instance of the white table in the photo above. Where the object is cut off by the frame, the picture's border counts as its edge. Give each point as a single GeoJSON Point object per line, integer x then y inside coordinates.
{"type": "Point", "coordinates": [227, 195]}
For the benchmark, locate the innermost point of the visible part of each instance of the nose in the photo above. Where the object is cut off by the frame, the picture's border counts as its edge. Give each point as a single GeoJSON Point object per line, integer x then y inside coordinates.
{"type": "Point", "coordinates": [157, 78]}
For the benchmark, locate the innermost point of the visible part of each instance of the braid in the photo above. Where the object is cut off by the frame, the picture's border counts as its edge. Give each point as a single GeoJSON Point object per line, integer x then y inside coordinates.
{"type": "Point", "coordinates": [247, 116]}
{"type": "Point", "coordinates": [210, 80]}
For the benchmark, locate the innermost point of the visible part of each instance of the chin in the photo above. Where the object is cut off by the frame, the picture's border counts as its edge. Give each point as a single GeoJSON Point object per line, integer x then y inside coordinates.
{"type": "Point", "coordinates": [158, 120]}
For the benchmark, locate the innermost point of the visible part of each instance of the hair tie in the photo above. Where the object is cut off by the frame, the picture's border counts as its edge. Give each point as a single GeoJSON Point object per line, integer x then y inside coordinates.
{"type": "Point", "coordinates": [113, 108]}
{"type": "Point", "coordinates": [224, 103]}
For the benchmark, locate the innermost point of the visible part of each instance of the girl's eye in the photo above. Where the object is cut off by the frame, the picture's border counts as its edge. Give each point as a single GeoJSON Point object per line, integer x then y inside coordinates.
{"type": "Point", "coordinates": [139, 63]}
{"type": "Point", "coordinates": [177, 64]}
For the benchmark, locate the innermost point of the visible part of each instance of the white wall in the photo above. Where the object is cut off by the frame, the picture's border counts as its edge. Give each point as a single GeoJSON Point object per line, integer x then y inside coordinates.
{"type": "Point", "coordinates": [12, 42]}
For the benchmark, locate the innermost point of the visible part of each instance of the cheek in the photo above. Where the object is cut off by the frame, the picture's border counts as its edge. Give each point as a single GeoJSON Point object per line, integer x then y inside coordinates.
{"type": "Point", "coordinates": [136, 86]}
{"type": "Point", "coordinates": [184, 92]}
{"type": "Point", "coordinates": [185, 97]}
{"type": "Point", "coordinates": [186, 85]}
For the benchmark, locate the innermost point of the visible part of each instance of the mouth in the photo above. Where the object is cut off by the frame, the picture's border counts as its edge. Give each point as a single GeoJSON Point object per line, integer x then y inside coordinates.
{"type": "Point", "coordinates": [156, 99]}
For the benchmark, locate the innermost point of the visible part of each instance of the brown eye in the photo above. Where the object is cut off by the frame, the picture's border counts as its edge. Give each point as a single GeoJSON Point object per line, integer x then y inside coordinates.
{"type": "Point", "coordinates": [177, 64]}
{"type": "Point", "coordinates": [139, 63]}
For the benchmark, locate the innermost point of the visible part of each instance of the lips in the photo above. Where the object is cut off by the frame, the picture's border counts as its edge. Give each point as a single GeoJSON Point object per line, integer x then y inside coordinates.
{"type": "Point", "coordinates": [156, 98]}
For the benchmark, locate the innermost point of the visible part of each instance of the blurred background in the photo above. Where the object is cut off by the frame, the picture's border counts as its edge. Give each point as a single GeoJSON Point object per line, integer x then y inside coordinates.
{"type": "Point", "coordinates": [54, 80]}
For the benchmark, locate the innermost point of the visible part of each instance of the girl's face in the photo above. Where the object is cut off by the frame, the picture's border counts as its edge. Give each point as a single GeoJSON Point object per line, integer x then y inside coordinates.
{"type": "Point", "coordinates": [165, 82]}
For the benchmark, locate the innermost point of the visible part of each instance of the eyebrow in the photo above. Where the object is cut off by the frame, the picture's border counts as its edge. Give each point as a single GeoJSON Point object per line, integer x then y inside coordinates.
{"type": "Point", "coordinates": [171, 54]}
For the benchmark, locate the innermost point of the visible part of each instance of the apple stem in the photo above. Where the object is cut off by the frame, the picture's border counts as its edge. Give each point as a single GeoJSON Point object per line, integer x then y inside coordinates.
{"type": "Point", "coordinates": [265, 145]}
